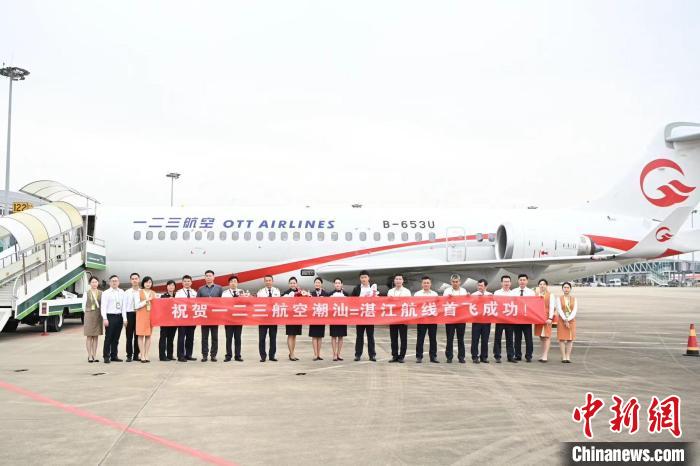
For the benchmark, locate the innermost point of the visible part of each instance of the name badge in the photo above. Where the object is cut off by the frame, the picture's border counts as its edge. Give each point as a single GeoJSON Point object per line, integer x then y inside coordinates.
{"type": "Point", "coordinates": [118, 306]}
{"type": "Point", "coordinates": [92, 307]}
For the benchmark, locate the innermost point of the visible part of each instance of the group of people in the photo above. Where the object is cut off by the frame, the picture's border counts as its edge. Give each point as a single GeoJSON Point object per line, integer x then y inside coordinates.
{"type": "Point", "coordinates": [114, 308]}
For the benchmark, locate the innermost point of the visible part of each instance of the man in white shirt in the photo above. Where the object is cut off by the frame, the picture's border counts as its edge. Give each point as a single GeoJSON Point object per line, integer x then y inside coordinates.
{"type": "Point", "coordinates": [480, 331]}
{"type": "Point", "coordinates": [365, 289]}
{"type": "Point", "coordinates": [501, 328]}
{"type": "Point", "coordinates": [233, 332]}
{"type": "Point", "coordinates": [450, 329]}
{"type": "Point", "coordinates": [114, 318]}
{"type": "Point", "coordinates": [398, 330]}
{"type": "Point", "coordinates": [132, 298]}
{"type": "Point", "coordinates": [523, 329]}
{"type": "Point", "coordinates": [268, 291]}
{"type": "Point", "coordinates": [185, 333]}
{"type": "Point", "coordinates": [431, 329]}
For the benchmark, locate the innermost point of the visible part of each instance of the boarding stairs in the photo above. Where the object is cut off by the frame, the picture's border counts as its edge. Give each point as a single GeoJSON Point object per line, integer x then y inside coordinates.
{"type": "Point", "coordinates": [657, 278]}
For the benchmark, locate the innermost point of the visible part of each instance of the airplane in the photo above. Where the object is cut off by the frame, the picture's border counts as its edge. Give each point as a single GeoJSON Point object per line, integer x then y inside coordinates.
{"type": "Point", "coordinates": [640, 219]}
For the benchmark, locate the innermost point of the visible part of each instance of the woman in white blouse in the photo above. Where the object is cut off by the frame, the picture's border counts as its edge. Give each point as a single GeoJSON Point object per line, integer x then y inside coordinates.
{"type": "Point", "coordinates": [566, 329]}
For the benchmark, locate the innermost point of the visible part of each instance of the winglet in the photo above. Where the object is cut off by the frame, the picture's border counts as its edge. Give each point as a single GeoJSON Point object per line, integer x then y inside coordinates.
{"type": "Point", "coordinates": [657, 241]}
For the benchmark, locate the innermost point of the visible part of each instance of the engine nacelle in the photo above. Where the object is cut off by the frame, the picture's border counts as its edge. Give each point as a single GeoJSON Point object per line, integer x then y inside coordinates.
{"type": "Point", "coordinates": [526, 242]}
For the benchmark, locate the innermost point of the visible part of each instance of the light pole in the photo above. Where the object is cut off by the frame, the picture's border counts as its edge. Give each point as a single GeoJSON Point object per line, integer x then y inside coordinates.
{"type": "Point", "coordinates": [173, 176]}
{"type": "Point", "coordinates": [15, 74]}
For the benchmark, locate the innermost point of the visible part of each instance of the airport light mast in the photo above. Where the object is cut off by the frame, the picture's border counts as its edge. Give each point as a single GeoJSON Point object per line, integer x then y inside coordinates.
{"type": "Point", "coordinates": [15, 74]}
{"type": "Point", "coordinates": [173, 176]}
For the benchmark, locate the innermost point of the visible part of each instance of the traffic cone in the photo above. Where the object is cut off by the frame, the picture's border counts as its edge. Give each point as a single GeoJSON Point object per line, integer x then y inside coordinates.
{"type": "Point", "coordinates": [692, 343]}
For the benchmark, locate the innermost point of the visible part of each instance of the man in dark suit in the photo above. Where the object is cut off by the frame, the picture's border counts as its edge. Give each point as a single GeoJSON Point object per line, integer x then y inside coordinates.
{"type": "Point", "coordinates": [210, 290]}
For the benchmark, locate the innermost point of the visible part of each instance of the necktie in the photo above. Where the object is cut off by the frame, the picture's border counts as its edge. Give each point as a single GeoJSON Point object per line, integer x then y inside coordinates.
{"type": "Point", "coordinates": [188, 293]}
{"type": "Point", "coordinates": [521, 291]}
{"type": "Point", "coordinates": [269, 292]}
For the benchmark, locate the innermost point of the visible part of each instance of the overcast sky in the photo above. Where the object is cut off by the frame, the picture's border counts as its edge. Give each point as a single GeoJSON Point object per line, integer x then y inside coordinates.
{"type": "Point", "coordinates": [416, 103]}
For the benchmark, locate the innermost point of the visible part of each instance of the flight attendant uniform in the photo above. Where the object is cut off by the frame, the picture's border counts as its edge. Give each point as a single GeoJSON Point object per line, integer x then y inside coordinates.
{"type": "Point", "coordinates": [143, 313]}
{"type": "Point", "coordinates": [481, 332]}
{"type": "Point", "coordinates": [545, 330]}
{"type": "Point", "coordinates": [338, 330]}
{"type": "Point", "coordinates": [292, 329]}
{"type": "Point", "coordinates": [430, 329]}
{"type": "Point", "coordinates": [397, 331]}
{"type": "Point", "coordinates": [264, 330]}
{"type": "Point", "coordinates": [566, 308]}
{"type": "Point", "coordinates": [459, 329]}
{"type": "Point", "coordinates": [318, 331]}
{"type": "Point", "coordinates": [92, 318]}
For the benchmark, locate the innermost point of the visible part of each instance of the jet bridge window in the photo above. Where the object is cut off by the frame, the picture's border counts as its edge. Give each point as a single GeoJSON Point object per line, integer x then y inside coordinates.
{"type": "Point", "coordinates": [137, 235]}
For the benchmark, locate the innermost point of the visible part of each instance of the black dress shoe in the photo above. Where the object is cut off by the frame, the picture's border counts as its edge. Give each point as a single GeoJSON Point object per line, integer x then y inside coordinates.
{"type": "Point", "coordinates": [512, 360]}
{"type": "Point", "coordinates": [434, 360]}
{"type": "Point", "coordinates": [107, 361]}
{"type": "Point", "coordinates": [498, 360]}
{"type": "Point", "coordinates": [528, 359]}
{"type": "Point", "coordinates": [397, 360]}
{"type": "Point", "coordinates": [485, 361]}
{"type": "Point", "coordinates": [357, 358]}
{"type": "Point", "coordinates": [182, 359]}
{"type": "Point", "coordinates": [227, 359]}
{"type": "Point", "coordinates": [273, 359]}
{"type": "Point", "coordinates": [262, 359]}
{"type": "Point", "coordinates": [462, 360]}
{"type": "Point", "coordinates": [373, 359]}
{"type": "Point", "coordinates": [419, 360]}
{"type": "Point", "coordinates": [117, 360]}
{"type": "Point", "coordinates": [213, 359]}
{"type": "Point", "coordinates": [204, 359]}
{"type": "Point", "coordinates": [190, 358]}
{"type": "Point", "coordinates": [170, 358]}
{"type": "Point", "coordinates": [518, 358]}
{"type": "Point", "coordinates": [401, 360]}
{"type": "Point", "coordinates": [128, 359]}
{"type": "Point", "coordinates": [239, 359]}
{"type": "Point", "coordinates": [162, 359]}
{"type": "Point", "coordinates": [448, 360]}
{"type": "Point", "coordinates": [475, 361]}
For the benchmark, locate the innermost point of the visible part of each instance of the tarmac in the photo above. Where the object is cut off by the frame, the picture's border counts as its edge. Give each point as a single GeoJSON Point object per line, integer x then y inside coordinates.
{"type": "Point", "coordinates": [58, 409]}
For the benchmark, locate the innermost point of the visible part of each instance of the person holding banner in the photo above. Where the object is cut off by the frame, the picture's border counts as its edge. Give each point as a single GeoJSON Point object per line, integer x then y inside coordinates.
{"type": "Point", "coordinates": [523, 330]}
{"type": "Point", "coordinates": [143, 317]}
{"type": "Point", "coordinates": [504, 328]}
{"type": "Point", "coordinates": [210, 290]}
{"type": "Point", "coordinates": [364, 289]}
{"type": "Point", "coordinates": [293, 330]}
{"type": "Point", "coordinates": [566, 329]}
{"type": "Point", "coordinates": [167, 334]}
{"type": "Point", "coordinates": [92, 318]}
{"type": "Point", "coordinates": [398, 330]}
{"type": "Point", "coordinates": [317, 332]}
{"type": "Point", "coordinates": [185, 333]}
{"type": "Point", "coordinates": [480, 331]}
{"type": "Point", "coordinates": [233, 332]}
{"type": "Point", "coordinates": [450, 329]}
{"type": "Point", "coordinates": [263, 330]}
{"type": "Point", "coordinates": [338, 331]}
{"type": "Point", "coordinates": [544, 331]}
{"type": "Point", "coordinates": [431, 329]}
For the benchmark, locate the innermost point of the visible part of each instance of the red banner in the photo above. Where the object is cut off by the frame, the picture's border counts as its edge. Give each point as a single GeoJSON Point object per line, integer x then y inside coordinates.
{"type": "Point", "coordinates": [347, 311]}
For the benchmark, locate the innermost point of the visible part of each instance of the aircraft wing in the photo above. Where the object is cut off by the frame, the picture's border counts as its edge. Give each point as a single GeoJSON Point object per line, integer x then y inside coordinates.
{"type": "Point", "coordinates": [352, 270]}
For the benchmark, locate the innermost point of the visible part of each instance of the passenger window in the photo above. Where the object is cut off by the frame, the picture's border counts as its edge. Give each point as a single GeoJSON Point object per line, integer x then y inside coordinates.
{"type": "Point", "coordinates": [247, 236]}
{"type": "Point", "coordinates": [320, 236]}
{"type": "Point", "coordinates": [348, 236]}
{"type": "Point", "coordinates": [161, 235]}
{"type": "Point", "coordinates": [259, 236]}
{"type": "Point", "coordinates": [363, 236]}
{"type": "Point", "coordinates": [404, 236]}
{"type": "Point", "coordinates": [137, 235]}
{"type": "Point", "coordinates": [334, 236]}
{"type": "Point", "coordinates": [210, 235]}
{"type": "Point", "coordinates": [271, 236]}
{"type": "Point", "coordinates": [222, 236]}
{"type": "Point", "coordinates": [198, 235]}
{"type": "Point", "coordinates": [235, 235]}
{"type": "Point", "coordinates": [308, 236]}
{"type": "Point", "coordinates": [419, 236]}
{"type": "Point", "coordinates": [377, 236]}
{"type": "Point", "coordinates": [284, 235]}
{"type": "Point", "coordinates": [173, 235]}
{"type": "Point", "coordinates": [149, 235]}
{"type": "Point", "coordinates": [296, 236]}
{"type": "Point", "coordinates": [391, 236]}
{"type": "Point", "coordinates": [186, 235]}
{"type": "Point", "coordinates": [431, 236]}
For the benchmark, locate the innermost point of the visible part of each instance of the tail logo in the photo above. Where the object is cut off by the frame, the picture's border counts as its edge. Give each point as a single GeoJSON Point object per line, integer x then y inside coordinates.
{"type": "Point", "coordinates": [663, 234]}
{"type": "Point", "coordinates": [674, 192]}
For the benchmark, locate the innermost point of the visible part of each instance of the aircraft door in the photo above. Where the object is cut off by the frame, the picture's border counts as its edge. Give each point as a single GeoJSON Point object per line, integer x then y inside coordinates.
{"type": "Point", "coordinates": [456, 244]}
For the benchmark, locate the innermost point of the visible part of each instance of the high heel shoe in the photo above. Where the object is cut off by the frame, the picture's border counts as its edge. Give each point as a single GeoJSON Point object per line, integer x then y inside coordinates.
{"type": "Point", "coordinates": [340, 359]}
